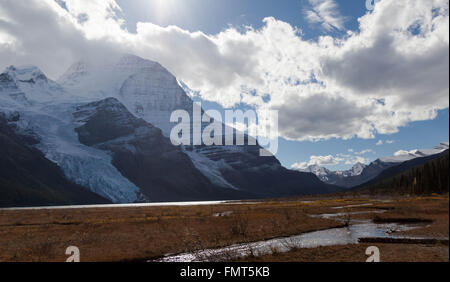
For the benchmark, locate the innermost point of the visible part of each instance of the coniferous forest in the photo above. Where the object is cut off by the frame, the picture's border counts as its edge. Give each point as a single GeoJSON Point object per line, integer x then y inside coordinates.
{"type": "Point", "coordinates": [431, 177]}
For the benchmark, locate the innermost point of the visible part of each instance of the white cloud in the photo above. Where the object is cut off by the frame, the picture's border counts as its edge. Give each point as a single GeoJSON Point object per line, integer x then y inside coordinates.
{"type": "Point", "coordinates": [326, 13]}
{"type": "Point", "coordinates": [300, 166]}
{"type": "Point", "coordinates": [356, 159]}
{"type": "Point", "coordinates": [333, 160]}
{"type": "Point", "coordinates": [317, 160]}
{"type": "Point", "coordinates": [324, 160]}
{"type": "Point", "coordinates": [403, 152]}
{"type": "Point", "coordinates": [397, 58]}
{"type": "Point", "coordinates": [391, 72]}
{"type": "Point", "coordinates": [380, 142]}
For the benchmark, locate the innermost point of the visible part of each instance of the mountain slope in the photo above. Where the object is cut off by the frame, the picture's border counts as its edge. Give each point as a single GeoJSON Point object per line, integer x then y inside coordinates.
{"type": "Point", "coordinates": [401, 168]}
{"type": "Point", "coordinates": [419, 176]}
{"type": "Point", "coordinates": [145, 87]}
{"type": "Point", "coordinates": [368, 173]}
{"type": "Point", "coordinates": [27, 178]}
{"type": "Point", "coordinates": [139, 150]}
{"type": "Point", "coordinates": [150, 92]}
{"type": "Point", "coordinates": [361, 174]}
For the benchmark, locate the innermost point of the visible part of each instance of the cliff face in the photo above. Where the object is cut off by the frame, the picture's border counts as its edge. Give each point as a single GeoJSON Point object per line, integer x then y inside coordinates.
{"type": "Point", "coordinates": [141, 153]}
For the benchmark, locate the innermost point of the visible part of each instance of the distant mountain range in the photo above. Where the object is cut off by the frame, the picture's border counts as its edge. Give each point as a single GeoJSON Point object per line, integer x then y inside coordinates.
{"type": "Point", "coordinates": [361, 173]}
{"type": "Point", "coordinates": [100, 133]}
{"type": "Point", "coordinates": [423, 175]}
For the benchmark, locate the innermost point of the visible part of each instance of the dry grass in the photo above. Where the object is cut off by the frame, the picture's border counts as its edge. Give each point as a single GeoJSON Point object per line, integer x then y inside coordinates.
{"type": "Point", "coordinates": [130, 234]}
{"type": "Point", "coordinates": [356, 253]}
{"type": "Point", "coordinates": [139, 233]}
{"type": "Point", "coordinates": [433, 209]}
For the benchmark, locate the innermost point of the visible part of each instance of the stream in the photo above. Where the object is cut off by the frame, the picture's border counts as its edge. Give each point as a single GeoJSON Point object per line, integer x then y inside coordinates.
{"type": "Point", "coordinates": [329, 237]}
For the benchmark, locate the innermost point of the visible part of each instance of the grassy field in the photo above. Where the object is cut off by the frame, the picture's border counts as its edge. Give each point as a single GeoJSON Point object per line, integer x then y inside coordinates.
{"type": "Point", "coordinates": [433, 210]}
{"type": "Point", "coordinates": [141, 233]}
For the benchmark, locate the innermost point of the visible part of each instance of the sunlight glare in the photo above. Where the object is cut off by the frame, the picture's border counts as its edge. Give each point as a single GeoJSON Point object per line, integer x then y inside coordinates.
{"type": "Point", "coordinates": [163, 8]}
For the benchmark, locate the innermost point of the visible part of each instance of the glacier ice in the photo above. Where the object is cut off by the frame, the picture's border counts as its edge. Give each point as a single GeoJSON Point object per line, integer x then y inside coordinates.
{"type": "Point", "coordinates": [49, 117]}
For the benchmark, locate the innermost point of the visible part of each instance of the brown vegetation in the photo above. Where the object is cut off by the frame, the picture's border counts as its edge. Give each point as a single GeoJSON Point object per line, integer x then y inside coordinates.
{"type": "Point", "coordinates": [356, 253]}
{"type": "Point", "coordinates": [140, 233]}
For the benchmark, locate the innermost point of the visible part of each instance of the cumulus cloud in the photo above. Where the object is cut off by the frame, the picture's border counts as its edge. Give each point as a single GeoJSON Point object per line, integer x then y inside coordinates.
{"type": "Point", "coordinates": [44, 34]}
{"type": "Point", "coordinates": [397, 58]}
{"type": "Point", "coordinates": [322, 116]}
{"type": "Point", "coordinates": [392, 71]}
{"type": "Point", "coordinates": [317, 160]}
{"type": "Point", "coordinates": [326, 13]}
{"type": "Point", "coordinates": [299, 166]}
{"type": "Point", "coordinates": [347, 159]}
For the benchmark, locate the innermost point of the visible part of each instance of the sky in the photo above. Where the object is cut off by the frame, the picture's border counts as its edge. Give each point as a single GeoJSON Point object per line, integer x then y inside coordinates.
{"type": "Point", "coordinates": [351, 82]}
{"type": "Point", "coordinates": [212, 16]}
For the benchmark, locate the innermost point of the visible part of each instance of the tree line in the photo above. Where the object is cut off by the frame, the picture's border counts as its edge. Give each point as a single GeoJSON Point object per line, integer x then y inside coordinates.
{"type": "Point", "coordinates": [431, 177]}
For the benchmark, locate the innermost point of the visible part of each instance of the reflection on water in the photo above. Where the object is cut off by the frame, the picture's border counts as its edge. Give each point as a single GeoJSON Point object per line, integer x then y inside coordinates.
{"type": "Point", "coordinates": [165, 204]}
{"type": "Point", "coordinates": [343, 214]}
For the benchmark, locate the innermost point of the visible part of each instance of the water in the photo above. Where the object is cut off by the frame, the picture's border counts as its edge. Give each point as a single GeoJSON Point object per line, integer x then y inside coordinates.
{"type": "Point", "coordinates": [330, 237]}
{"type": "Point", "coordinates": [343, 214]}
{"type": "Point", "coordinates": [353, 206]}
{"type": "Point", "coordinates": [165, 204]}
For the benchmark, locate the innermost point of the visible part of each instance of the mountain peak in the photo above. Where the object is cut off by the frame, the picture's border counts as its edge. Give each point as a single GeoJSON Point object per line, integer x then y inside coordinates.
{"type": "Point", "coordinates": [146, 88]}
{"type": "Point", "coordinates": [358, 168]}
{"type": "Point", "coordinates": [28, 84]}
{"type": "Point", "coordinates": [316, 169]}
{"type": "Point", "coordinates": [127, 63]}
{"type": "Point", "coordinates": [27, 73]}
{"type": "Point", "coordinates": [133, 60]}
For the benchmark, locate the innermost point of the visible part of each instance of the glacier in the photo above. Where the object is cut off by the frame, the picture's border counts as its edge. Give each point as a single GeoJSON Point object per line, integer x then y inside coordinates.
{"type": "Point", "coordinates": [148, 91]}
{"type": "Point", "coordinates": [47, 114]}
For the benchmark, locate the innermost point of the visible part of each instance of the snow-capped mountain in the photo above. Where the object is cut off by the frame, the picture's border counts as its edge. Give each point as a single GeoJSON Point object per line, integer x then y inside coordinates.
{"type": "Point", "coordinates": [361, 173]}
{"type": "Point", "coordinates": [50, 122]}
{"type": "Point", "coordinates": [333, 177]}
{"type": "Point", "coordinates": [106, 127]}
{"type": "Point", "coordinates": [146, 88]}
{"type": "Point", "coordinates": [152, 93]}
{"type": "Point", "coordinates": [26, 84]}
{"type": "Point", "coordinates": [137, 148]}
{"type": "Point", "coordinates": [321, 172]}
{"type": "Point", "coordinates": [357, 169]}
